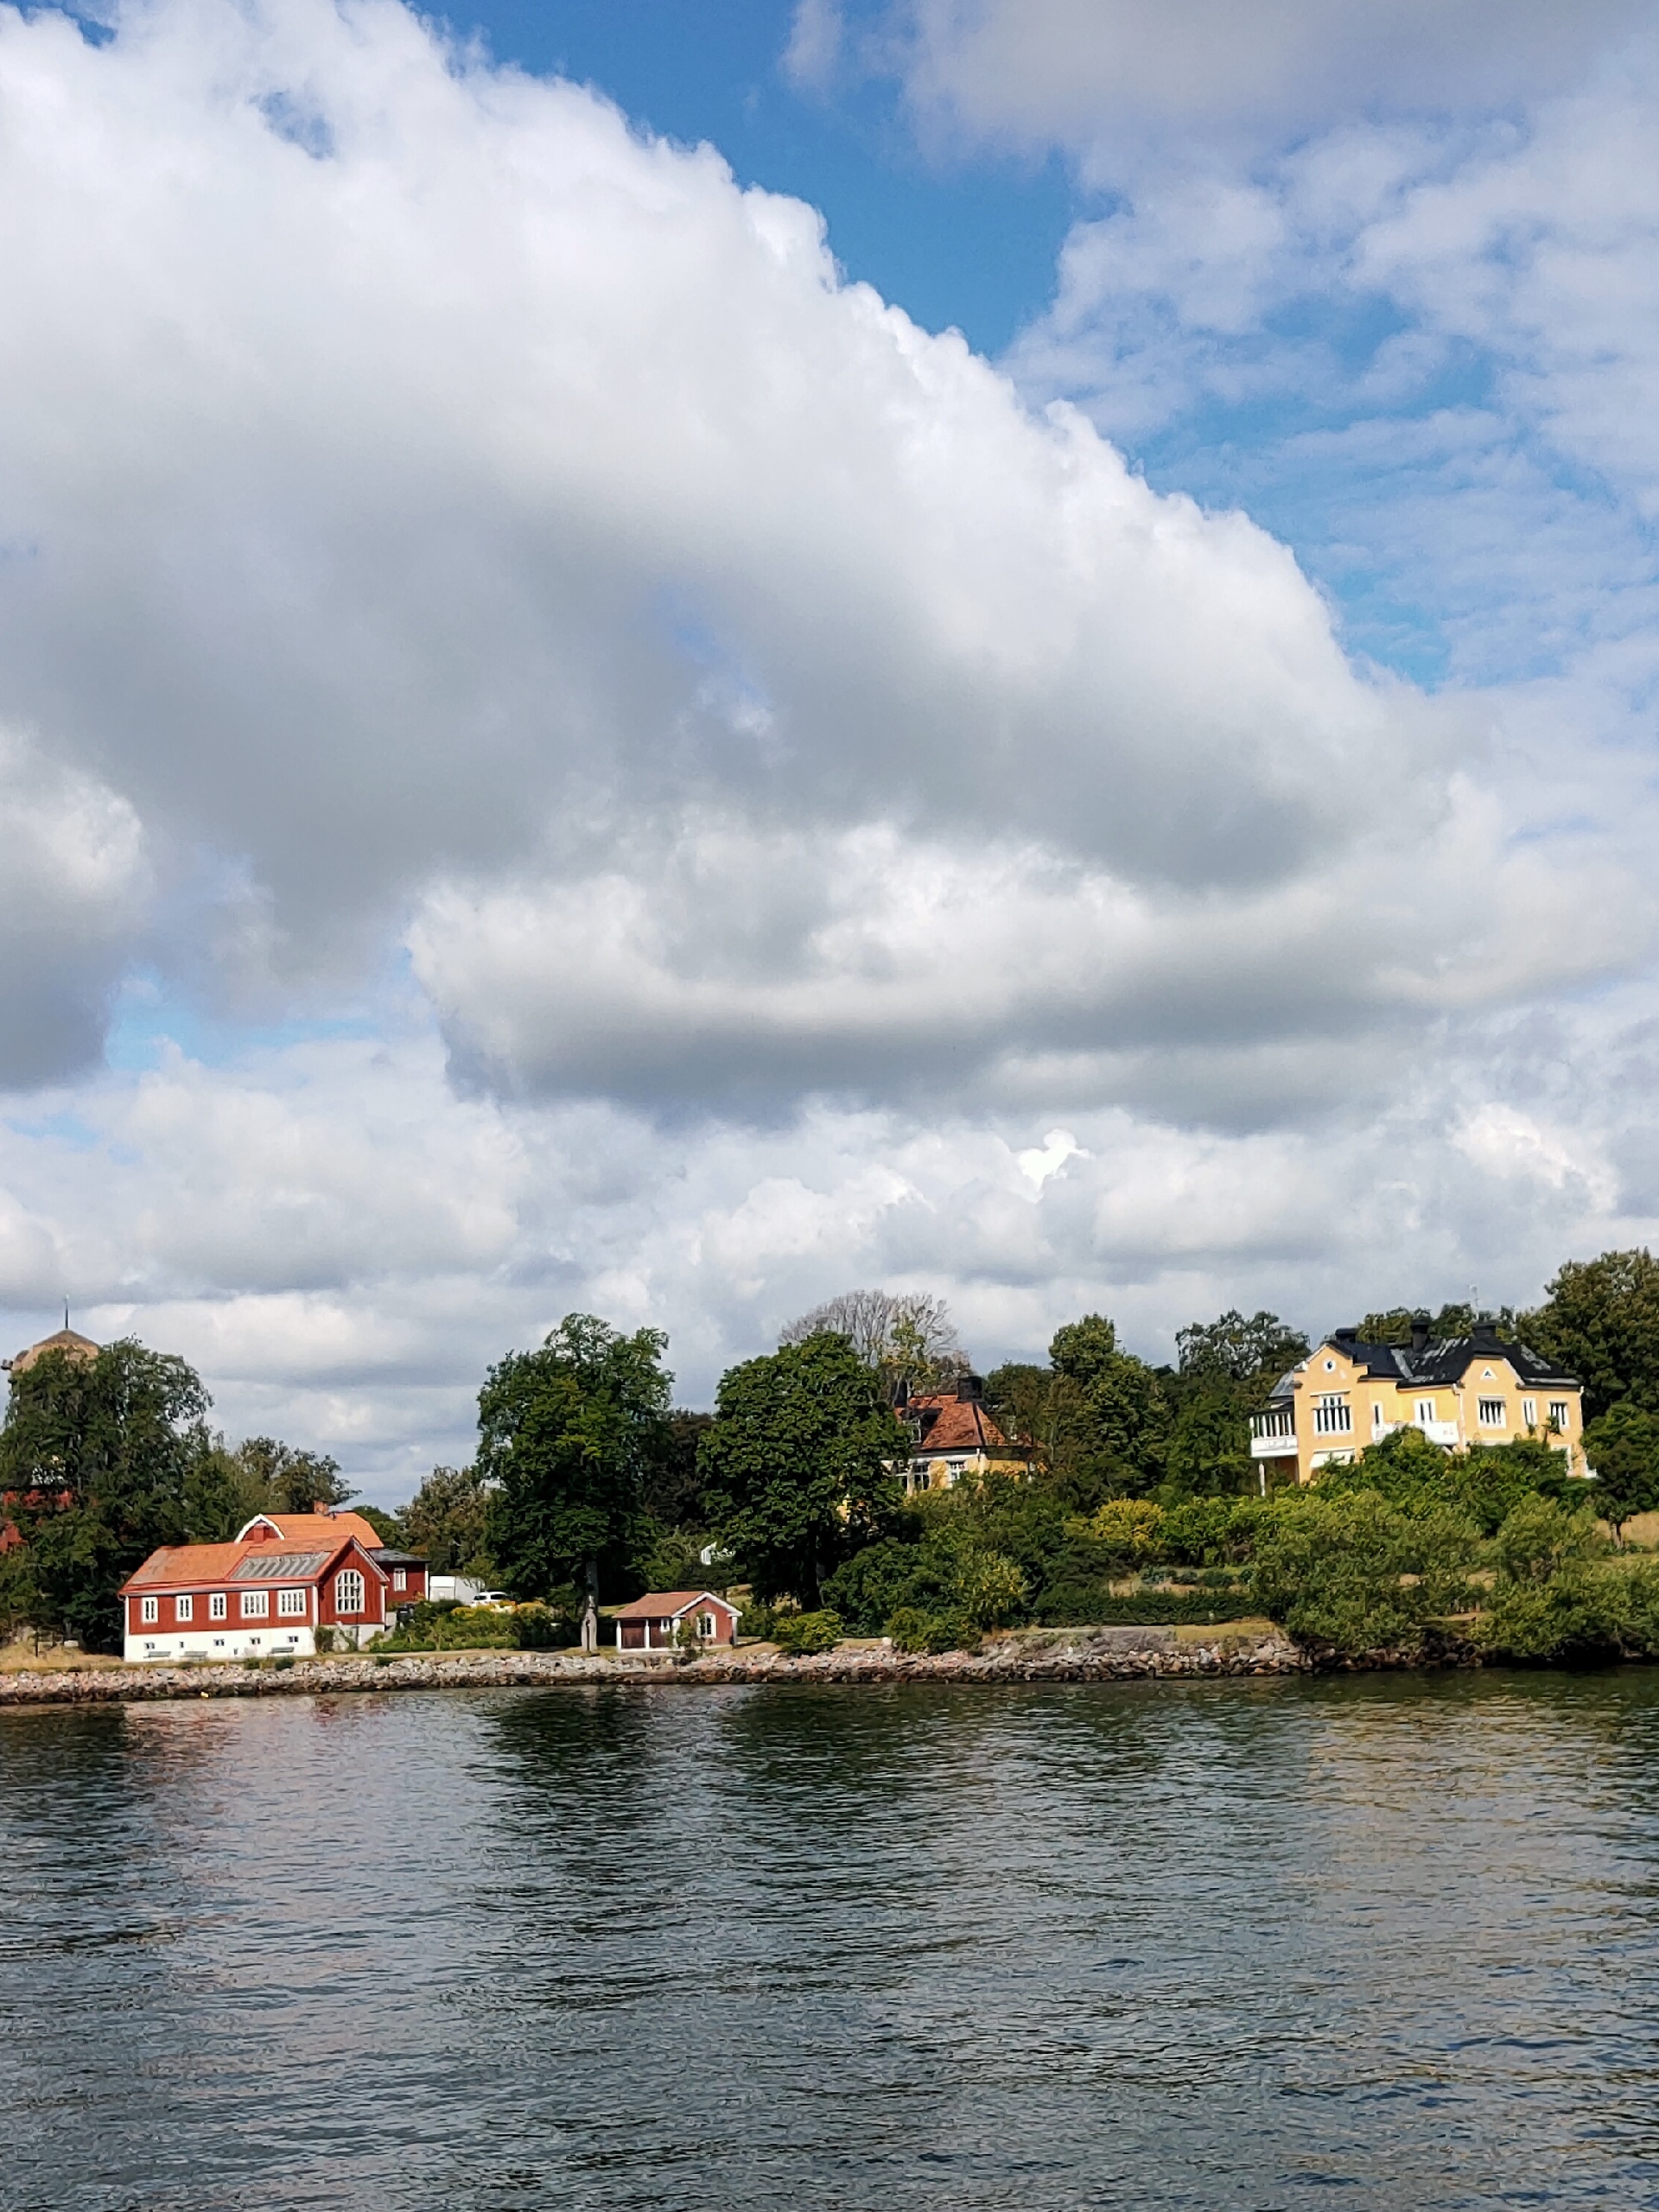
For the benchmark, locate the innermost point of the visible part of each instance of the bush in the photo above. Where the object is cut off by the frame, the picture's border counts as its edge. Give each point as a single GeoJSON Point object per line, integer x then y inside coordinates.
{"type": "Point", "coordinates": [912, 1629]}
{"type": "Point", "coordinates": [757, 1619]}
{"type": "Point", "coordinates": [1092, 1605]}
{"type": "Point", "coordinates": [539, 1628]}
{"type": "Point", "coordinates": [801, 1635]}
{"type": "Point", "coordinates": [1349, 1573]}
{"type": "Point", "coordinates": [1127, 1529]}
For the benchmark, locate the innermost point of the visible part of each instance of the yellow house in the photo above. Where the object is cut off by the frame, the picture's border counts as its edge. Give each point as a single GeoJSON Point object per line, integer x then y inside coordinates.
{"type": "Point", "coordinates": [1473, 1389]}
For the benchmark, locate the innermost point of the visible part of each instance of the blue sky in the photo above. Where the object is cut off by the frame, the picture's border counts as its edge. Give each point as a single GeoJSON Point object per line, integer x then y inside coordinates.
{"type": "Point", "coordinates": [555, 753]}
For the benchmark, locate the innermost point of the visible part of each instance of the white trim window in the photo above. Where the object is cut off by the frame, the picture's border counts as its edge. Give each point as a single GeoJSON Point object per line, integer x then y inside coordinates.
{"type": "Point", "coordinates": [256, 1604]}
{"type": "Point", "coordinates": [150, 1609]}
{"type": "Point", "coordinates": [217, 1605]}
{"type": "Point", "coordinates": [348, 1590]}
{"type": "Point", "coordinates": [290, 1604]}
{"type": "Point", "coordinates": [706, 1626]}
{"type": "Point", "coordinates": [1560, 1412]}
{"type": "Point", "coordinates": [1529, 1413]}
{"type": "Point", "coordinates": [1332, 1415]}
{"type": "Point", "coordinates": [184, 1608]}
{"type": "Point", "coordinates": [1492, 1413]}
{"type": "Point", "coordinates": [1377, 1416]}
{"type": "Point", "coordinates": [400, 1578]}
{"type": "Point", "coordinates": [1425, 1412]}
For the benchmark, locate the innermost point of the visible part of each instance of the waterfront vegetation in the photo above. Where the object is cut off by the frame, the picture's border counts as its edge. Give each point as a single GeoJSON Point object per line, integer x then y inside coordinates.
{"type": "Point", "coordinates": [1142, 1505]}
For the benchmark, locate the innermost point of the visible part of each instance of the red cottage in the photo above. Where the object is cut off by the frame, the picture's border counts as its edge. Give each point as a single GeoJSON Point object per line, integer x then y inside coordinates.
{"type": "Point", "coordinates": [264, 1596]}
{"type": "Point", "coordinates": [652, 1623]}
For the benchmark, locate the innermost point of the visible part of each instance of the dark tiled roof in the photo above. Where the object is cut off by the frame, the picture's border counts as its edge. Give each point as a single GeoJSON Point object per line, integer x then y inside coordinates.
{"type": "Point", "coordinates": [1448, 1361]}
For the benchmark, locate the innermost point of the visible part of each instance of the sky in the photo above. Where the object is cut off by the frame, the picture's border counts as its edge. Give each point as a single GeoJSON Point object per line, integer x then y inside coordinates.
{"type": "Point", "coordinates": [663, 659]}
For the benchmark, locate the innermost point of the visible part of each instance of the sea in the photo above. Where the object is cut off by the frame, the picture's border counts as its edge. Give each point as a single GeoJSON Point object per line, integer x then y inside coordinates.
{"type": "Point", "coordinates": [1385, 1941]}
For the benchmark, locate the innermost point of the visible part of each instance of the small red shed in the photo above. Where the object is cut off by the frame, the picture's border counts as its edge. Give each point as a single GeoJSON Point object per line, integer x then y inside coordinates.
{"type": "Point", "coordinates": [653, 1622]}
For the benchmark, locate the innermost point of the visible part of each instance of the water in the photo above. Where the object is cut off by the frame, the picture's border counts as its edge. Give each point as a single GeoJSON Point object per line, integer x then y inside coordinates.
{"type": "Point", "coordinates": [1384, 1942]}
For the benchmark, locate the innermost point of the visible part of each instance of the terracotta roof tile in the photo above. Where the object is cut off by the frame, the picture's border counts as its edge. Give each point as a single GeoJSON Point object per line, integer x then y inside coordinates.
{"type": "Point", "coordinates": [657, 1602]}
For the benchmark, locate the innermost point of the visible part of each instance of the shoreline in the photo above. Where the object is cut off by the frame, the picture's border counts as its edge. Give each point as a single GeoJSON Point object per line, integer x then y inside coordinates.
{"type": "Point", "coordinates": [1052, 1656]}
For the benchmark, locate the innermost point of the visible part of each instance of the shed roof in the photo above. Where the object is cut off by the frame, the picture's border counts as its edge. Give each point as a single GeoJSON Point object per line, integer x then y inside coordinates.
{"type": "Point", "coordinates": [663, 1605]}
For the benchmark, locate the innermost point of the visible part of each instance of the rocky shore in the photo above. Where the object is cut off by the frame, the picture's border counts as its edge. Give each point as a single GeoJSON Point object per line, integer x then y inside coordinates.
{"type": "Point", "coordinates": [1044, 1656]}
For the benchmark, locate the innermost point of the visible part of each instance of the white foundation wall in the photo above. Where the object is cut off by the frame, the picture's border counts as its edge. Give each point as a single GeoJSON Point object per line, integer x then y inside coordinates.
{"type": "Point", "coordinates": [222, 1640]}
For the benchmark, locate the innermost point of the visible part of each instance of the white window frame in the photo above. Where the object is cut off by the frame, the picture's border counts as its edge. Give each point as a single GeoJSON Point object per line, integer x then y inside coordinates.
{"type": "Point", "coordinates": [351, 1591]}
{"type": "Point", "coordinates": [184, 1609]}
{"type": "Point", "coordinates": [150, 1609]}
{"type": "Point", "coordinates": [1528, 1412]}
{"type": "Point", "coordinates": [1376, 1415]}
{"type": "Point", "coordinates": [290, 1604]}
{"type": "Point", "coordinates": [218, 1605]}
{"type": "Point", "coordinates": [707, 1626]}
{"type": "Point", "coordinates": [256, 1604]}
{"type": "Point", "coordinates": [1425, 1412]}
{"type": "Point", "coordinates": [1492, 1413]}
{"type": "Point", "coordinates": [400, 1578]}
{"type": "Point", "coordinates": [1333, 1415]}
{"type": "Point", "coordinates": [1561, 1413]}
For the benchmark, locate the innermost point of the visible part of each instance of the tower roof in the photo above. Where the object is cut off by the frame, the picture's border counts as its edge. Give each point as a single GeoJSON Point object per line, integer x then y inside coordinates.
{"type": "Point", "coordinates": [67, 1341]}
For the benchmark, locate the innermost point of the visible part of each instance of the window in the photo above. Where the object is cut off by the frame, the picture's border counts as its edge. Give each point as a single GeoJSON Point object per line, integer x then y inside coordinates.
{"type": "Point", "coordinates": [256, 1604]}
{"type": "Point", "coordinates": [1425, 1412]}
{"type": "Point", "coordinates": [400, 1578]}
{"type": "Point", "coordinates": [1529, 1413]}
{"type": "Point", "coordinates": [1493, 1413]}
{"type": "Point", "coordinates": [217, 1605]}
{"type": "Point", "coordinates": [1333, 1416]}
{"type": "Point", "coordinates": [1558, 1411]}
{"type": "Point", "coordinates": [348, 1590]}
{"type": "Point", "coordinates": [149, 1610]}
{"type": "Point", "coordinates": [290, 1604]}
{"type": "Point", "coordinates": [1377, 1414]}
{"type": "Point", "coordinates": [706, 1626]}
{"type": "Point", "coordinates": [183, 1608]}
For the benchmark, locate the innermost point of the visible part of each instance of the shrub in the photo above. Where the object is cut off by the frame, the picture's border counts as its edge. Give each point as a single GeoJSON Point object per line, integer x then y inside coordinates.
{"type": "Point", "coordinates": [912, 1629]}
{"type": "Point", "coordinates": [757, 1620]}
{"type": "Point", "coordinates": [1127, 1529]}
{"type": "Point", "coordinates": [538, 1628]}
{"type": "Point", "coordinates": [1350, 1573]}
{"type": "Point", "coordinates": [800, 1634]}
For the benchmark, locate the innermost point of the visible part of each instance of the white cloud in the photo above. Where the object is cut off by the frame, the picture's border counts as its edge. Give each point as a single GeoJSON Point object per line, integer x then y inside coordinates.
{"type": "Point", "coordinates": [1112, 76]}
{"type": "Point", "coordinates": [846, 825]}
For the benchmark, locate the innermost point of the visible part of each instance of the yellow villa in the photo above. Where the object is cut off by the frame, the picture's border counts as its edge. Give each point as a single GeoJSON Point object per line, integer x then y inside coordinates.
{"type": "Point", "coordinates": [1475, 1389]}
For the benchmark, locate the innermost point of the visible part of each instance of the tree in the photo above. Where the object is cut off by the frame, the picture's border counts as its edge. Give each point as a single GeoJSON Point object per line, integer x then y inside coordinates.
{"type": "Point", "coordinates": [797, 1468]}
{"type": "Point", "coordinates": [1232, 1349]}
{"type": "Point", "coordinates": [1600, 1321]}
{"type": "Point", "coordinates": [906, 1338]}
{"type": "Point", "coordinates": [290, 1481]}
{"type": "Point", "coordinates": [1125, 1416]}
{"type": "Point", "coordinates": [1395, 1325]}
{"type": "Point", "coordinates": [566, 1437]}
{"type": "Point", "coordinates": [96, 1459]}
{"type": "Point", "coordinates": [1622, 1445]}
{"type": "Point", "coordinates": [444, 1522]}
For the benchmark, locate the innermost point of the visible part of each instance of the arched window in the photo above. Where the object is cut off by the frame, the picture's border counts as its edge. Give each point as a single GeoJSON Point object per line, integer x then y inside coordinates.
{"type": "Point", "coordinates": [348, 1590]}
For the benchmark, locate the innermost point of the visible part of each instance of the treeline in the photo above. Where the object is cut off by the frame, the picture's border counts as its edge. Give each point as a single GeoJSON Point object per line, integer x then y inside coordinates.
{"type": "Point", "coordinates": [588, 1486]}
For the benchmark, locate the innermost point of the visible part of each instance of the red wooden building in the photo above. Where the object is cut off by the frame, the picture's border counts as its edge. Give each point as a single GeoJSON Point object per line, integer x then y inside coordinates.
{"type": "Point", "coordinates": [266, 1594]}
{"type": "Point", "coordinates": [653, 1622]}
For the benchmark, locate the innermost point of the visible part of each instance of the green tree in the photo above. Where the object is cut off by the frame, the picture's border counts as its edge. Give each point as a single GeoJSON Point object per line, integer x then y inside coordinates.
{"type": "Point", "coordinates": [1600, 1321]}
{"type": "Point", "coordinates": [797, 1468]}
{"type": "Point", "coordinates": [1125, 1413]}
{"type": "Point", "coordinates": [566, 1437]}
{"type": "Point", "coordinates": [96, 1457]}
{"type": "Point", "coordinates": [1349, 1574]}
{"type": "Point", "coordinates": [1239, 1351]}
{"type": "Point", "coordinates": [445, 1522]}
{"type": "Point", "coordinates": [1394, 1326]}
{"type": "Point", "coordinates": [290, 1481]}
{"type": "Point", "coordinates": [1623, 1446]}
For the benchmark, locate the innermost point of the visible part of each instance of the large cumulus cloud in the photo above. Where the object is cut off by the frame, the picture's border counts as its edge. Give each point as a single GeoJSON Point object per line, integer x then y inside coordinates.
{"type": "Point", "coordinates": [446, 501]}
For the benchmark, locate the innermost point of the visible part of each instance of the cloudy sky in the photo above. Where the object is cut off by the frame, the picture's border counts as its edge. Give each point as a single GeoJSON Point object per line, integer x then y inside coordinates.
{"type": "Point", "coordinates": [666, 656]}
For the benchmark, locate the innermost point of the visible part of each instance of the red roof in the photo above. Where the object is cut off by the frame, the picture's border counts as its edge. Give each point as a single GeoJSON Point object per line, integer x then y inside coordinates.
{"type": "Point", "coordinates": [196, 1566]}
{"type": "Point", "coordinates": [663, 1605]}
{"type": "Point", "coordinates": [957, 1425]}
{"type": "Point", "coordinates": [310, 1528]}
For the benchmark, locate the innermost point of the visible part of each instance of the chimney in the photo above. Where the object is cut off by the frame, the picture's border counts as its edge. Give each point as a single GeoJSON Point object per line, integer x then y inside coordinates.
{"type": "Point", "coordinates": [1419, 1328]}
{"type": "Point", "coordinates": [970, 1387]}
{"type": "Point", "coordinates": [321, 1506]}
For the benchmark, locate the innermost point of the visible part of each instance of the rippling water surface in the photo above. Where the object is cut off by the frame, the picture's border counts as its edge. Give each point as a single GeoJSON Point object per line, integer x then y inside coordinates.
{"type": "Point", "coordinates": [1211, 1945]}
